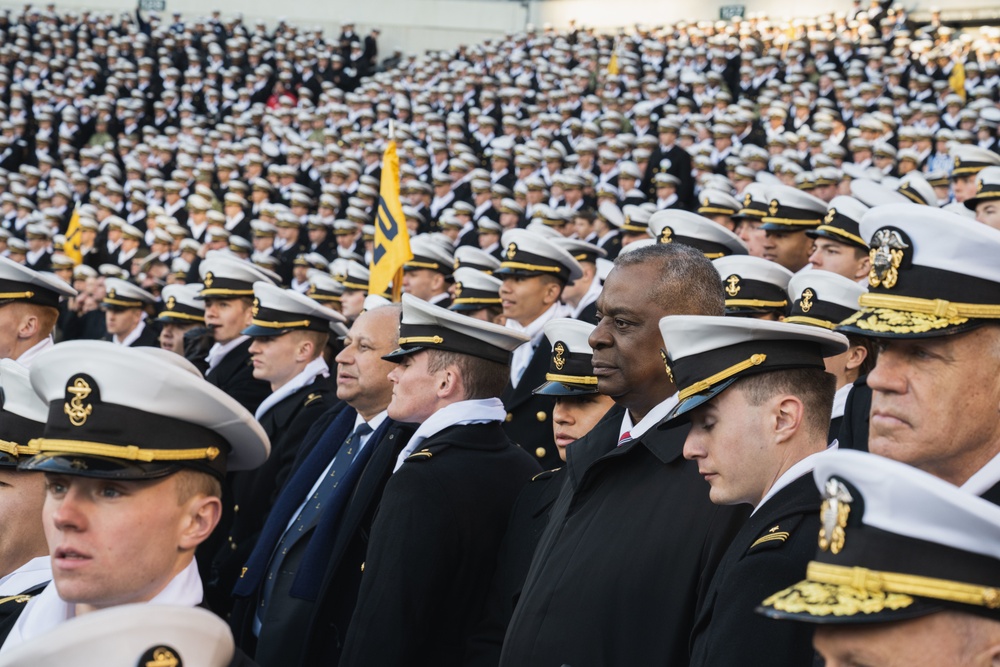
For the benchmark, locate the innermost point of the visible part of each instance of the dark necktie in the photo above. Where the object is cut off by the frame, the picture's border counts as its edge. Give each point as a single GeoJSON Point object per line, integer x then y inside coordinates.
{"type": "Point", "coordinates": [309, 515]}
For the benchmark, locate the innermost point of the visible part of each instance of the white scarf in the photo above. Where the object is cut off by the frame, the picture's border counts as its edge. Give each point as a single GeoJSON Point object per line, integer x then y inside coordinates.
{"type": "Point", "coordinates": [313, 369]}
{"type": "Point", "coordinates": [28, 356]}
{"type": "Point", "coordinates": [36, 571]}
{"type": "Point", "coordinates": [479, 411]}
{"type": "Point", "coordinates": [47, 610]}
{"type": "Point", "coordinates": [219, 351]}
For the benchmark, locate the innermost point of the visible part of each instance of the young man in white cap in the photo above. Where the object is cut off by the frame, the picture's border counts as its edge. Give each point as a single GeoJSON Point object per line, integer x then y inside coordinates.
{"type": "Point", "coordinates": [182, 312]}
{"type": "Point", "coordinates": [837, 244]}
{"type": "Point", "coordinates": [534, 270]}
{"type": "Point", "coordinates": [790, 213]}
{"type": "Point", "coordinates": [758, 397]}
{"type": "Point", "coordinates": [426, 276]}
{"type": "Point", "coordinates": [133, 453]}
{"type": "Point", "coordinates": [615, 525]}
{"type": "Point", "coordinates": [228, 294]}
{"type": "Point", "coordinates": [29, 310]}
{"type": "Point", "coordinates": [934, 306]}
{"type": "Point", "coordinates": [433, 544]}
{"type": "Point", "coordinates": [125, 316]}
{"type": "Point", "coordinates": [288, 332]}
{"type": "Point", "coordinates": [824, 299]}
{"type": "Point", "coordinates": [24, 555]}
{"type": "Point", "coordinates": [905, 573]}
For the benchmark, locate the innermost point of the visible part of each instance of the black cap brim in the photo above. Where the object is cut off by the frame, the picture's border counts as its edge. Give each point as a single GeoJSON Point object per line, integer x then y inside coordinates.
{"type": "Point", "coordinates": [255, 331]}
{"type": "Point", "coordinates": [397, 355]}
{"type": "Point", "coordinates": [563, 389]}
{"type": "Point", "coordinates": [100, 467]}
{"type": "Point", "coordinates": [832, 605]}
{"type": "Point", "coordinates": [681, 410]}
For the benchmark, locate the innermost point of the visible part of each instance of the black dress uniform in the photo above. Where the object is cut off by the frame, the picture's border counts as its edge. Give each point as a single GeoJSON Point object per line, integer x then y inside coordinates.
{"type": "Point", "coordinates": [618, 540]}
{"type": "Point", "coordinates": [770, 552]}
{"type": "Point", "coordinates": [447, 506]}
{"type": "Point", "coordinates": [529, 416]}
{"type": "Point", "coordinates": [234, 375]}
{"type": "Point", "coordinates": [296, 631]}
{"type": "Point", "coordinates": [527, 521]}
{"type": "Point", "coordinates": [853, 433]}
{"type": "Point", "coordinates": [150, 336]}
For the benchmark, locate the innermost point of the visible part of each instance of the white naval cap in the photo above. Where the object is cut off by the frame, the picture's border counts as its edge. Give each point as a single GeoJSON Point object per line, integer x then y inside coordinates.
{"type": "Point", "coordinates": [581, 250]}
{"type": "Point", "coordinates": [475, 290]}
{"type": "Point", "coordinates": [843, 214]}
{"type": "Point", "coordinates": [753, 284]}
{"type": "Point", "coordinates": [790, 209]}
{"type": "Point", "coordinates": [933, 273]}
{"type": "Point", "coordinates": [123, 294]}
{"type": "Point", "coordinates": [636, 219]}
{"type": "Point", "coordinates": [425, 326]}
{"type": "Point", "coordinates": [872, 194]}
{"type": "Point", "coordinates": [350, 274]}
{"type": "Point", "coordinates": [610, 212]}
{"type": "Point", "coordinates": [324, 288]}
{"type": "Point", "coordinates": [823, 298]}
{"type": "Point", "coordinates": [475, 258]}
{"type": "Point", "coordinates": [225, 276]}
{"type": "Point", "coordinates": [19, 283]}
{"type": "Point", "coordinates": [278, 311]}
{"type": "Point", "coordinates": [705, 354]}
{"type": "Point", "coordinates": [987, 187]}
{"type": "Point", "coordinates": [876, 514]}
{"type": "Point", "coordinates": [968, 159]}
{"type": "Point", "coordinates": [431, 255]}
{"type": "Point", "coordinates": [116, 412]}
{"type": "Point", "coordinates": [129, 636]}
{"type": "Point", "coordinates": [635, 245]}
{"type": "Point", "coordinates": [915, 187]}
{"type": "Point", "coordinates": [538, 226]}
{"type": "Point", "coordinates": [181, 303]}
{"type": "Point", "coordinates": [527, 254]}
{"type": "Point", "coordinates": [680, 226]}
{"type": "Point", "coordinates": [373, 301]}
{"type": "Point", "coordinates": [22, 413]}
{"type": "Point", "coordinates": [571, 370]}
{"type": "Point", "coordinates": [713, 201]}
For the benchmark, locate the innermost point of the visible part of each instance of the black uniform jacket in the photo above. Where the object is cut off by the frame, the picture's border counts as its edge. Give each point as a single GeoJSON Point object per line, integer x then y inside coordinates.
{"type": "Point", "coordinates": [433, 548]}
{"type": "Point", "coordinates": [769, 554]}
{"type": "Point", "coordinates": [234, 375]}
{"type": "Point", "coordinates": [529, 416]}
{"type": "Point", "coordinates": [854, 424]}
{"type": "Point", "coordinates": [249, 494]}
{"type": "Point", "coordinates": [527, 521]}
{"type": "Point", "coordinates": [631, 544]}
{"type": "Point", "coordinates": [300, 632]}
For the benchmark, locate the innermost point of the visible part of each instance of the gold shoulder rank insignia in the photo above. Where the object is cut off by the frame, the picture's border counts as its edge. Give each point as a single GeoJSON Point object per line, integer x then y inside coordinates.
{"type": "Point", "coordinates": [20, 599]}
{"type": "Point", "coordinates": [312, 398]}
{"type": "Point", "coordinates": [422, 454]}
{"type": "Point", "coordinates": [778, 536]}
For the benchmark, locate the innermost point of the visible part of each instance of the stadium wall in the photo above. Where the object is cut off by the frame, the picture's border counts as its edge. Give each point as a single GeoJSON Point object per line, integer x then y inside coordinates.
{"type": "Point", "coordinates": [419, 25]}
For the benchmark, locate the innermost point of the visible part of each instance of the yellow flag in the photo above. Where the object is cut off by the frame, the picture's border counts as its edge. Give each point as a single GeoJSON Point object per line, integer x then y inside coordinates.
{"type": "Point", "coordinates": [613, 63]}
{"type": "Point", "coordinates": [392, 239]}
{"type": "Point", "coordinates": [72, 247]}
{"type": "Point", "coordinates": [957, 79]}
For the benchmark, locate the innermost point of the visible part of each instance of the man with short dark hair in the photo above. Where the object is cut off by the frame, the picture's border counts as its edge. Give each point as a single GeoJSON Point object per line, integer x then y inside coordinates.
{"type": "Point", "coordinates": [124, 307]}
{"type": "Point", "coordinates": [616, 525]}
{"type": "Point", "coordinates": [433, 544]}
{"type": "Point", "coordinates": [758, 397]}
{"type": "Point", "coordinates": [29, 311]}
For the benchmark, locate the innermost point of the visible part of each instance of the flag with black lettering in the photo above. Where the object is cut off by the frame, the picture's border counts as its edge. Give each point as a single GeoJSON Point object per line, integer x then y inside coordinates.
{"type": "Point", "coordinates": [392, 239]}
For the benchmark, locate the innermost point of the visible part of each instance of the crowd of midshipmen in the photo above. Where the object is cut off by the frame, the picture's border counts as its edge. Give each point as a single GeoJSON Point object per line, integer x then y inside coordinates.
{"type": "Point", "coordinates": [746, 268]}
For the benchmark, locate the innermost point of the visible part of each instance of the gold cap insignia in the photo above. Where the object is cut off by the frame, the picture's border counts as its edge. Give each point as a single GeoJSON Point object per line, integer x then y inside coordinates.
{"type": "Point", "coordinates": [256, 306]}
{"type": "Point", "coordinates": [312, 289]}
{"type": "Point", "coordinates": [628, 220]}
{"type": "Point", "coordinates": [733, 285]}
{"type": "Point", "coordinates": [111, 294]}
{"type": "Point", "coordinates": [747, 200]}
{"type": "Point", "coordinates": [558, 360]}
{"type": "Point", "coordinates": [979, 185]}
{"type": "Point", "coordinates": [830, 215]}
{"type": "Point", "coordinates": [806, 302]}
{"type": "Point", "coordinates": [511, 250]}
{"type": "Point", "coordinates": [208, 279]}
{"type": "Point", "coordinates": [171, 302]}
{"type": "Point", "coordinates": [458, 289]}
{"type": "Point", "coordinates": [456, 263]}
{"type": "Point", "coordinates": [958, 161]}
{"type": "Point", "coordinates": [887, 252]}
{"type": "Point", "coordinates": [773, 208]}
{"type": "Point", "coordinates": [160, 656]}
{"type": "Point", "coordinates": [74, 407]}
{"type": "Point", "coordinates": [666, 364]}
{"type": "Point", "coordinates": [340, 277]}
{"type": "Point", "coordinates": [667, 235]}
{"type": "Point", "coordinates": [833, 515]}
